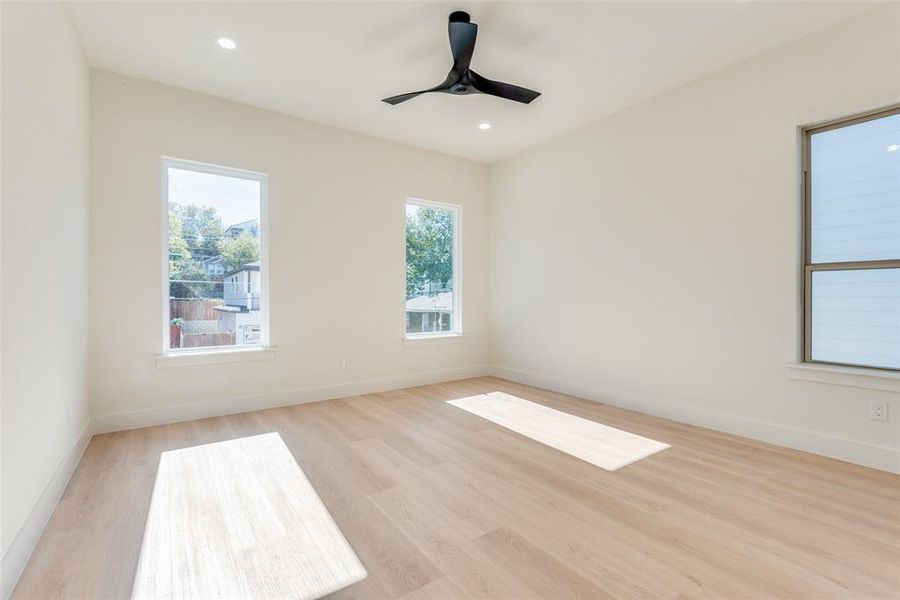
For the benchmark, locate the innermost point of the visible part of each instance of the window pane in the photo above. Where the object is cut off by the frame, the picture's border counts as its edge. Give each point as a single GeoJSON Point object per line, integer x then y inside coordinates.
{"type": "Point", "coordinates": [855, 192]}
{"type": "Point", "coordinates": [214, 268]}
{"type": "Point", "coordinates": [429, 269]}
{"type": "Point", "coordinates": [856, 317]}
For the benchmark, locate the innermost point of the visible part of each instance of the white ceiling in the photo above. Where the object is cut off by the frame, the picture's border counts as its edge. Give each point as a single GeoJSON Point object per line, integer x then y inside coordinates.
{"type": "Point", "coordinates": [332, 62]}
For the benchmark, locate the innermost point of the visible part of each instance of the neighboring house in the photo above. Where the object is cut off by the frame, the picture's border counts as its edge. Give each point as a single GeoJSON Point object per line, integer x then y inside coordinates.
{"type": "Point", "coordinates": [429, 312]}
{"type": "Point", "coordinates": [240, 313]}
{"type": "Point", "coordinates": [216, 267]}
{"type": "Point", "coordinates": [250, 227]}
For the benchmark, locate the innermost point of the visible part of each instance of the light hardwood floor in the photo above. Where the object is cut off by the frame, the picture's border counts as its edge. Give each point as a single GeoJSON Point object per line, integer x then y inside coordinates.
{"type": "Point", "coordinates": [439, 503]}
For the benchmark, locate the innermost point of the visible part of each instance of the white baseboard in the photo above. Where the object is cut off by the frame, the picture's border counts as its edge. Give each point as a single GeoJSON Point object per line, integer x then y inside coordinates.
{"type": "Point", "coordinates": [227, 406]}
{"type": "Point", "coordinates": [878, 457]}
{"type": "Point", "coordinates": [16, 556]}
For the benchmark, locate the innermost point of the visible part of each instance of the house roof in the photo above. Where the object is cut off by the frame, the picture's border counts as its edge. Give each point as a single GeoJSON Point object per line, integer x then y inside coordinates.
{"type": "Point", "coordinates": [442, 302]}
{"type": "Point", "coordinates": [254, 266]}
{"type": "Point", "coordinates": [227, 308]}
{"type": "Point", "coordinates": [242, 224]}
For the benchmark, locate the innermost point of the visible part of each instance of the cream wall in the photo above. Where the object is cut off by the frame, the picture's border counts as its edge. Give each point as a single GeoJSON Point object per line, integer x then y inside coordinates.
{"type": "Point", "coordinates": [337, 250]}
{"type": "Point", "coordinates": [651, 258]}
{"type": "Point", "coordinates": [44, 270]}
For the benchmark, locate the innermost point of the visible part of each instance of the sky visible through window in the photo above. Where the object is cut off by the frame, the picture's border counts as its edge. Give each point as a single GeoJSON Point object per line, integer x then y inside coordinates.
{"type": "Point", "coordinates": [236, 200]}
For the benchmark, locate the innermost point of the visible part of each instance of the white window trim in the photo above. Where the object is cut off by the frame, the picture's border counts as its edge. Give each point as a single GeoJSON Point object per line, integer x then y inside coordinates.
{"type": "Point", "coordinates": [457, 333]}
{"type": "Point", "coordinates": [191, 357]}
{"type": "Point", "coordinates": [434, 339]}
{"type": "Point", "coordinates": [208, 355]}
{"type": "Point", "coordinates": [860, 377]}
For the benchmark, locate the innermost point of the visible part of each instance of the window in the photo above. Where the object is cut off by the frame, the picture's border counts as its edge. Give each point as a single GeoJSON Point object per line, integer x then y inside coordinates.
{"type": "Point", "coordinates": [215, 217]}
{"type": "Point", "coordinates": [852, 241]}
{"type": "Point", "coordinates": [432, 269]}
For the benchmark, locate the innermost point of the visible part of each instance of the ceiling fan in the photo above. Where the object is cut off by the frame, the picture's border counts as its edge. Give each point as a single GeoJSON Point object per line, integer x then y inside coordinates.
{"type": "Point", "coordinates": [462, 80]}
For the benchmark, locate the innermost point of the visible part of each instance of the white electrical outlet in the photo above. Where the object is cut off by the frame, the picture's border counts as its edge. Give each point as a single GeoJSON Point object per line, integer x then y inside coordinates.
{"type": "Point", "coordinates": [345, 364]}
{"type": "Point", "coordinates": [878, 410]}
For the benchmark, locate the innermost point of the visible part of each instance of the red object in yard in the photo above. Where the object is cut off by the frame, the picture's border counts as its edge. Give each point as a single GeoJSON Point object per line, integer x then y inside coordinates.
{"type": "Point", "coordinates": [175, 336]}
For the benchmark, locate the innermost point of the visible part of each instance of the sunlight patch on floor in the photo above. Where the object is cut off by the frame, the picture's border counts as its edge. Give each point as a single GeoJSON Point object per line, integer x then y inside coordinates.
{"type": "Point", "coordinates": [239, 519]}
{"type": "Point", "coordinates": [598, 444]}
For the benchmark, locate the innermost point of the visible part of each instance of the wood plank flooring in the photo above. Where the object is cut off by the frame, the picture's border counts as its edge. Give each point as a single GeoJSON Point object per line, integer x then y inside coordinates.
{"type": "Point", "coordinates": [441, 504]}
{"type": "Point", "coordinates": [239, 519]}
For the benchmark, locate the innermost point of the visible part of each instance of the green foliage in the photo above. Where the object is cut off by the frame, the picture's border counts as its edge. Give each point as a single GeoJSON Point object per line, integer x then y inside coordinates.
{"type": "Point", "coordinates": [193, 233]}
{"type": "Point", "coordinates": [191, 281]}
{"type": "Point", "coordinates": [179, 252]}
{"type": "Point", "coordinates": [429, 250]}
{"type": "Point", "coordinates": [201, 229]}
{"type": "Point", "coordinates": [239, 251]}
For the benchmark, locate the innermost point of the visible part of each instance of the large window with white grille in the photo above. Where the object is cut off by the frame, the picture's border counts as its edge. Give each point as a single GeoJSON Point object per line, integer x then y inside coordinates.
{"type": "Point", "coordinates": [215, 259]}
{"type": "Point", "coordinates": [852, 241]}
{"type": "Point", "coordinates": [433, 291]}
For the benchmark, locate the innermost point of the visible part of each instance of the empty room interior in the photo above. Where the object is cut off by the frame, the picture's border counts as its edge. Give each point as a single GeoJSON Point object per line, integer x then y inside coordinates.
{"type": "Point", "coordinates": [426, 300]}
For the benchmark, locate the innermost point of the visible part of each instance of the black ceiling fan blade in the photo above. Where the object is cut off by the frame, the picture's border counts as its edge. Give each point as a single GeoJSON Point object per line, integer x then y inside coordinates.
{"type": "Point", "coordinates": [462, 40]}
{"type": "Point", "coordinates": [451, 80]}
{"type": "Point", "coordinates": [395, 100]}
{"type": "Point", "coordinates": [502, 90]}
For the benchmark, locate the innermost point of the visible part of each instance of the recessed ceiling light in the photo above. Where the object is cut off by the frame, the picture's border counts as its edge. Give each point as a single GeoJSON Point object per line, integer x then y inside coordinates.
{"type": "Point", "coordinates": [484, 126]}
{"type": "Point", "coordinates": [226, 43]}
{"type": "Point", "coordinates": [893, 148]}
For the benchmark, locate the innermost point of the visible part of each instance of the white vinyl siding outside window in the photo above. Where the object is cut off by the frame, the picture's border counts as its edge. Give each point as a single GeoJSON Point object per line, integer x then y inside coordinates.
{"type": "Point", "coordinates": [852, 245]}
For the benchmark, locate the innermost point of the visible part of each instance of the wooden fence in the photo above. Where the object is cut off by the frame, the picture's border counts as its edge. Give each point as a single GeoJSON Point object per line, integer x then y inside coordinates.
{"type": "Point", "coordinates": [198, 340]}
{"type": "Point", "coordinates": [194, 310]}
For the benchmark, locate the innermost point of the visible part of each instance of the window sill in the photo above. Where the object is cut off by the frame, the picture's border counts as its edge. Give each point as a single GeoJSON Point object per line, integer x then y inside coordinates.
{"type": "Point", "coordinates": [873, 379]}
{"type": "Point", "coordinates": [194, 358]}
{"type": "Point", "coordinates": [434, 340]}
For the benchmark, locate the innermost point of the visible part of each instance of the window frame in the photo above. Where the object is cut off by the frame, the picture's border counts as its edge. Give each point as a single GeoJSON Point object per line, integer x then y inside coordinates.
{"type": "Point", "coordinates": [457, 315]}
{"type": "Point", "coordinates": [807, 265]}
{"type": "Point", "coordinates": [168, 162]}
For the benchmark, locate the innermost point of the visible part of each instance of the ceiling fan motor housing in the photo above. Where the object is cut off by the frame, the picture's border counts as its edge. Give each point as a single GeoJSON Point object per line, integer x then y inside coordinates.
{"type": "Point", "coordinates": [463, 86]}
{"type": "Point", "coordinates": [459, 16]}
